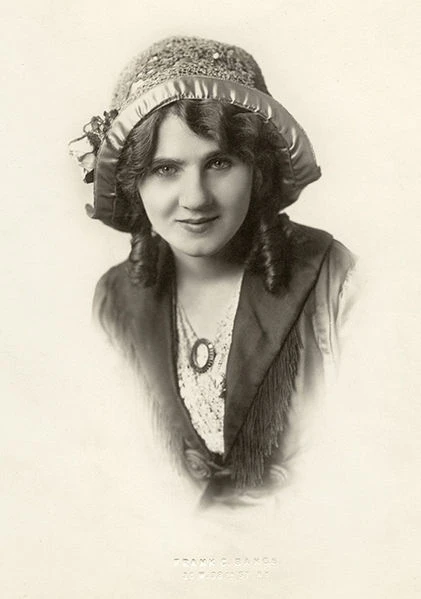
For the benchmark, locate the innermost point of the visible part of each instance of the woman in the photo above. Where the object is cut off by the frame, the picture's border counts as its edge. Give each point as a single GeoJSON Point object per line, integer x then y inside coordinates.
{"type": "Point", "coordinates": [231, 312]}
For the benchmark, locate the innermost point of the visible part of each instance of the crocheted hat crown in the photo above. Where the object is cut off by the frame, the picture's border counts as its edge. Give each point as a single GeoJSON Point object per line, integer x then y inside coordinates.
{"type": "Point", "coordinates": [178, 68]}
{"type": "Point", "coordinates": [176, 57]}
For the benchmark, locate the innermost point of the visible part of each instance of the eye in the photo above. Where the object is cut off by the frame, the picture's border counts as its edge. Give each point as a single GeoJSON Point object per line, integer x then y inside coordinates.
{"type": "Point", "coordinates": [164, 170]}
{"type": "Point", "coordinates": [220, 163]}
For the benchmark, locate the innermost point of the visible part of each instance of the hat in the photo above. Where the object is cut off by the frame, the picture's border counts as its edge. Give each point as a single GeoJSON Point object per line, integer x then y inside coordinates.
{"type": "Point", "coordinates": [185, 68]}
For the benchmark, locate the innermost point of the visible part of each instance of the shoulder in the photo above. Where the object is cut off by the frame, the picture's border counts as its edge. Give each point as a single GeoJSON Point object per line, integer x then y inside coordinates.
{"type": "Point", "coordinates": [114, 278]}
{"type": "Point", "coordinates": [337, 262]}
{"type": "Point", "coordinates": [335, 295]}
{"type": "Point", "coordinates": [336, 286]}
{"type": "Point", "coordinates": [110, 287]}
{"type": "Point", "coordinates": [338, 271]}
{"type": "Point", "coordinates": [116, 300]}
{"type": "Point", "coordinates": [340, 259]}
{"type": "Point", "coordinates": [305, 239]}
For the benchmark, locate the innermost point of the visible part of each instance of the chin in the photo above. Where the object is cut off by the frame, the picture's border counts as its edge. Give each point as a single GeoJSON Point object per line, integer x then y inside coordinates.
{"type": "Point", "coordinates": [198, 248]}
{"type": "Point", "coordinates": [200, 252]}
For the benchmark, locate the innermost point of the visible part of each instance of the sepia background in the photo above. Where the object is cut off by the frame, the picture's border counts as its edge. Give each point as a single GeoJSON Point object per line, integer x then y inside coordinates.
{"type": "Point", "coordinates": [89, 508]}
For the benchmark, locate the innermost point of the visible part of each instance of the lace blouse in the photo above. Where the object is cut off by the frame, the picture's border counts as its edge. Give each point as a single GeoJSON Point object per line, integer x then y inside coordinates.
{"type": "Point", "coordinates": [203, 393]}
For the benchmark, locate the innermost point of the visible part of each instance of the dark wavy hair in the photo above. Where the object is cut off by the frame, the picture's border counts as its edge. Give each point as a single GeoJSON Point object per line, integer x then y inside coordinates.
{"type": "Point", "coordinates": [262, 241]}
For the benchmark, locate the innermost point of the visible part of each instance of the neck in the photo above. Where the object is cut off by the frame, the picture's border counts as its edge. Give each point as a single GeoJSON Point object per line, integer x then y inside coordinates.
{"type": "Point", "coordinates": [204, 270]}
{"type": "Point", "coordinates": [205, 288]}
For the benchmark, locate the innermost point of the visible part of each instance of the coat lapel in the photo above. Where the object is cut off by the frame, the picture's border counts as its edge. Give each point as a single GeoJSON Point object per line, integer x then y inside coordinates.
{"type": "Point", "coordinates": [155, 323]}
{"type": "Point", "coordinates": [262, 324]}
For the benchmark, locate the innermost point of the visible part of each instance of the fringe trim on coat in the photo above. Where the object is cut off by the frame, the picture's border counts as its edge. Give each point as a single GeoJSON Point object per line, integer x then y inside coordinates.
{"type": "Point", "coordinates": [266, 419]}
{"type": "Point", "coordinates": [268, 416]}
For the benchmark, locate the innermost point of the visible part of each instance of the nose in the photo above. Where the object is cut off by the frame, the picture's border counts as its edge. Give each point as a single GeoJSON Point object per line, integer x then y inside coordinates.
{"type": "Point", "coordinates": [194, 193]}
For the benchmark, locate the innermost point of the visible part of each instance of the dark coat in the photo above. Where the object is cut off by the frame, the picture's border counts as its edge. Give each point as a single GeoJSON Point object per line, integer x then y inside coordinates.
{"type": "Point", "coordinates": [282, 344]}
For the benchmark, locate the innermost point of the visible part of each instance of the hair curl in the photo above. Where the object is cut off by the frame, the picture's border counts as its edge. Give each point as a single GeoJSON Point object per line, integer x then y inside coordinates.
{"type": "Point", "coordinates": [262, 241]}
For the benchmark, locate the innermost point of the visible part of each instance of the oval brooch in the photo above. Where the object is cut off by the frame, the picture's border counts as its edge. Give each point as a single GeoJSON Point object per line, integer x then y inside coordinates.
{"type": "Point", "coordinates": [202, 355]}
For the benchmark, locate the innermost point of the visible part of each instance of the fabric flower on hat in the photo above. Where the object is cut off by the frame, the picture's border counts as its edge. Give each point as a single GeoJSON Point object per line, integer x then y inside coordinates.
{"type": "Point", "coordinates": [82, 149]}
{"type": "Point", "coordinates": [85, 148]}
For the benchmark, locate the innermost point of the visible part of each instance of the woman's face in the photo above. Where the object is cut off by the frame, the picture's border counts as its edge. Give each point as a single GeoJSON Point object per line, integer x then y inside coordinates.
{"type": "Point", "coordinates": [196, 196]}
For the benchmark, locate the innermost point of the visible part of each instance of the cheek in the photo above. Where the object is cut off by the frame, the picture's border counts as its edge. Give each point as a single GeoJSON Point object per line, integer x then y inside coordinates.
{"type": "Point", "coordinates": [156, 201]}
{"type": "Point", "coordinates": [242, 196]}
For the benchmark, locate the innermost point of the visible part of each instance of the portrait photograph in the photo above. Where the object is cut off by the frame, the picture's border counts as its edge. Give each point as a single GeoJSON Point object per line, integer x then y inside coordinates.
{"type": "Point", "coordinates": [210, 372]}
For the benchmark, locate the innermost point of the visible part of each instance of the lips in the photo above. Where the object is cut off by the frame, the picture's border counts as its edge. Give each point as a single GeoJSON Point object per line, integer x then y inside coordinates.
{"type": "Point", "coordinates": [198, 226]}
{"type": "Point", "coordinates": [198, 221]}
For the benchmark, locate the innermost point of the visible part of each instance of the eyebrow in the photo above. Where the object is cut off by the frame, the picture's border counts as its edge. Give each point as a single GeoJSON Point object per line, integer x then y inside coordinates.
{"type": "Point", "coordinates": [163, 160]}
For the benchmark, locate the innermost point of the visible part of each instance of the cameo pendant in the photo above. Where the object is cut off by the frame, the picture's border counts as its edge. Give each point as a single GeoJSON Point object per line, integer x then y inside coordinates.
{"type": "Point", "coordinates": [202, 355]}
